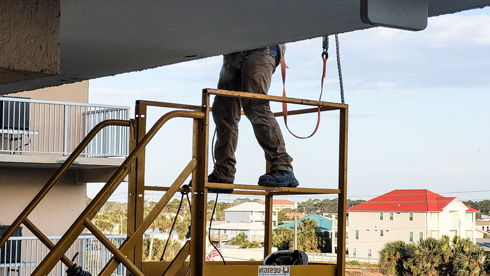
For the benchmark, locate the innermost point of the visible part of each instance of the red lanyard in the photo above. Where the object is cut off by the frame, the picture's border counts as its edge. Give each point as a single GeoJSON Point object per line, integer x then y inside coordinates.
{"type": "Point", "coordinates": [285, 105]}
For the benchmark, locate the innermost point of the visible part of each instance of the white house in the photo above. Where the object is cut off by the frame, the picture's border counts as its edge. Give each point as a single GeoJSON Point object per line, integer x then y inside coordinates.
{"type": "Point", "coordinates": [224, 232]}
{"type": "Point", "coordinates": [248, 218]}
{"type": "Point", "coordinates": [246, 212]}
{"type": "Point", "coordinates": [407, 215]}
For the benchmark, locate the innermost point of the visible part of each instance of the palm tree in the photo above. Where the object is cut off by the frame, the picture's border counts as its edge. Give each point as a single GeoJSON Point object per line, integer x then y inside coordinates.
{"type": "Point", "coordinates": [393, 258]}
{"type": "Point", "coordinates": [282, 238]}
{"type": "Point", "coordinates": [161, 222]}
{"type": "Point", "coordinates": [307, 238]}
{"type": "Point", "coordinates": [468, 258]}
{"type": "Point", "coordinates": [428, 258]}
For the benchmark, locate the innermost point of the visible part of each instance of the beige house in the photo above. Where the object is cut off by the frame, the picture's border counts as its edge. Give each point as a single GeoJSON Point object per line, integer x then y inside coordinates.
{"type": "Point", "coordinates": [38, 131]}
{"type": "Point", "coordinates": [407, 215]}
{"type": "Point", "coordinates": [281, 204]}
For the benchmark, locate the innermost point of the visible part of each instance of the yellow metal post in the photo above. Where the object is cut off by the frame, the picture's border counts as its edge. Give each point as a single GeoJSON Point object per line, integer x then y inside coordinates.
{"type": "Point", "coordinates": [268, 225]}
{"type": "Point", "coordinates": [199, 195]}
{"type": "Point", "coordinates": [136, 194]}
{"type": "Point", "coordinates": [342, 209]}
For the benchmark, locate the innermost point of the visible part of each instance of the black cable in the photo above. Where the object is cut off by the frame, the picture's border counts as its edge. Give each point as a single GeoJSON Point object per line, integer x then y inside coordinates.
{"type": "Point", "coordinates": [76, 270]}
{"type": "Point", "coordinates": [188, 270]}
{"type": "Point", "coordinates": [172, 228]}
{"type": "Point", "coordinates": [212, 146]}
{"type": "Point", "coordinates": [210, 224]}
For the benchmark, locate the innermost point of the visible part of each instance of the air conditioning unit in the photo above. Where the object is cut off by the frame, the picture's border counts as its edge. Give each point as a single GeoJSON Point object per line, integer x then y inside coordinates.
{"type": "Point", "coordinates": [14, 114]}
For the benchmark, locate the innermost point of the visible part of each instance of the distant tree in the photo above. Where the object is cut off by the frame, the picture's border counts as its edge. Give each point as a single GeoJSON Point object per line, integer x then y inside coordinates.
{"type": "Point", "coordinates": [219, 214]}
{"type": "Point", "coordinates": [393, 258]}
{"type": "Point", "coordinates": [239, 239]}
{"type": "Point", "coordinates": [459, 257]}
{"type": "Point", "coordinates": [467, 258]}
{"type": "Point", "coordinates": [103, 222]}
{"type": "Point", "coordinates": [483, 206]}
{"type": "Point", "coordinates": [282, 238]}
{"type": "Point", "coordinates": [307, 238]}
{"type": "Point", "coordinates": [282, 215]}
{"type": "Point", "coordinates": [429, 258]}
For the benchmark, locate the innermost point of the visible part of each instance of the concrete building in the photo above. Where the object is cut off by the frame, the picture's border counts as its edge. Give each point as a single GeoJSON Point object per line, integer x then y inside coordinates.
{"type": "Point", "coordinates": [407, 215]}
{"type": "Point", "coordinates": [38, 130]}
{"type": "Point", "coordinates": [247, 212]}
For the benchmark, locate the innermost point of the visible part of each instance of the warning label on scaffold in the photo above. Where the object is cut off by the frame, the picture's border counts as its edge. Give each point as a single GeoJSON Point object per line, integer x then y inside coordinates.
{"type": "Point", "coordinates": [276, 270]}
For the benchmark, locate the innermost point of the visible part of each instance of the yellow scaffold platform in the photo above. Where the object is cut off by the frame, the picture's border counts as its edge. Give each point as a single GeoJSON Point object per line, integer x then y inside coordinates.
{"type": "Point", "coordinates": [191, 258]}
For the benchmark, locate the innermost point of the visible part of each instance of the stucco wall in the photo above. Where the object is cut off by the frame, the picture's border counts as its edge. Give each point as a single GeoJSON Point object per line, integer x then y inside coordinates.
{"type": "Point", "coordinates": [75, 92]}
{"type": "Point", "coordinates": [55, 213]}
{"type": "Point", "coordinates": [451, 221]}
{"type": "Point", "coordinates": [370, 226]}
{"type": "Point", "coordinates": [29, 39]}
{"type": "Point", "coordinates": [238, 216]}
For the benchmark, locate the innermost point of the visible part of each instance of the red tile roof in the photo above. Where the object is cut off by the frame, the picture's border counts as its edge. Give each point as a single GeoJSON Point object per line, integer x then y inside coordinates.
{"type": "Point", "coordinates": [282, 202]}
{"type": "Point", "coordinates": [407, 201]}
{"type": "Point", "coordinates": [278, 202]}
{"type": "Point", "coordinates": [298, 215]}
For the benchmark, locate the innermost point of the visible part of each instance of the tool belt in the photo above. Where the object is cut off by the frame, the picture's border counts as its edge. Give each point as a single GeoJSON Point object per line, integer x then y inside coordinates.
{"type": "Point", "coordinates": [244, 55]}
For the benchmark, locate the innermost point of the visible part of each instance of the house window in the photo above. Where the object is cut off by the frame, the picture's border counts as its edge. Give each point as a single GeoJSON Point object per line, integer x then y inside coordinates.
{"type": "Point", "coordinates": [391, 215]}
{"type": "Point", "coordinates": [410, 215]}
{"type": "Point", "coordinates": [357, 234]}
{"type": "Point", "coordinates": [421, 236]}
{"type": "Point", "coordinates": [411, 236]}
{"type": "Point", "coordinates": [434, 217]}
{"type": "Point", "coordinates": [369, 252]}
{"type": "Point", "coordinates": [469, 234]}
{"type": "Point", "coordinates": [469, 217]}
{"type": "Point", "coordinates": [381, 233]}
{"type": "Point", "coordinates": [380, 215]}
{"type": "Point", "coordinates": [354, 252]}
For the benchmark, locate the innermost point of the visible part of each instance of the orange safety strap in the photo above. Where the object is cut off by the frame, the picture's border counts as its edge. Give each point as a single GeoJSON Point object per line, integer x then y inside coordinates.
{"type": "Point", "coordinates": [285, 105]}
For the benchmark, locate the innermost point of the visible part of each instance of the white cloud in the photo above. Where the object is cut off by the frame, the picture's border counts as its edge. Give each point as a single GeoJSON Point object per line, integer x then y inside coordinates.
{"type": "Point", "coordinates": [462, 31]}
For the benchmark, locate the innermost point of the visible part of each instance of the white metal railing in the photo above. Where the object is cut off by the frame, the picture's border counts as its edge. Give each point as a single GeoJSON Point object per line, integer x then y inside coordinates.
{"type": "Point", "coordinates": [23, 254]}
{"type": "Point", "coordinates": [34, 126]}
{"type": "Point", "coordinates": [332, 257]}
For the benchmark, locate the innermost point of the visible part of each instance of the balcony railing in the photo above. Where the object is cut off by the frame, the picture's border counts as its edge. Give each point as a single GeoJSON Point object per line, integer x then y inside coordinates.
{"type": "Point", "coordinates": [23, 254]}
{"type": "Point", "coordinates": [40, 127]}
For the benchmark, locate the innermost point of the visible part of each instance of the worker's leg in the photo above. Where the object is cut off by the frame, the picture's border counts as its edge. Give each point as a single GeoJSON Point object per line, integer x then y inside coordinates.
{"type": "Point", "coordinates": [256, 77]}
{"type": "Point", "coordinates": [226, 115]}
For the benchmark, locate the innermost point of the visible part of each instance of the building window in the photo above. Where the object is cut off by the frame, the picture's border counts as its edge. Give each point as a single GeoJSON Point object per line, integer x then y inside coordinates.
{"type": "Point", "coordinates": [357, 234]}
{"type": "Point", "coordinates": [411, 236]}
{"type": "Point", "coordinates": [410, 216]}
{"type": "Point", "coordinates": [381, 233]}
{"type": "Point", "coordinates": [434, 217]}
{"type": "Point", "coordinates": [354, 252]}
{"type": "Point", "coordinates": [421, 236]}
{"type": "Point", "coordinates": [369, 252]}
{"type": "Point", "coordinates": [469, 234]}
{"type": "Point", "coordinates": [380, 215]}
{"type": "Point", "coordinates": [391, 215]}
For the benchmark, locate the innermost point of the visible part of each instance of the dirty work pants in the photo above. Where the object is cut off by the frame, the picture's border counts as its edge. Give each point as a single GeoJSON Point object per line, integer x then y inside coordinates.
{"type": "Point", "coordinates": [252, 74]}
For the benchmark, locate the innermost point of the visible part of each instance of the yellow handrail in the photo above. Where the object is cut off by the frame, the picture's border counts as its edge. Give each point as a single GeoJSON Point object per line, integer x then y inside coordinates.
{"type": "Point", "coordinates": [73, 156]}
{"type": "Point", "coordinates": [92, 208]}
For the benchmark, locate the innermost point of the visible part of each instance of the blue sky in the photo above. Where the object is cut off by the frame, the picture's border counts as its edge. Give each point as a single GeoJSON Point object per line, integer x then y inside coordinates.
{"type": "Point", "coordinates": [418, 105]}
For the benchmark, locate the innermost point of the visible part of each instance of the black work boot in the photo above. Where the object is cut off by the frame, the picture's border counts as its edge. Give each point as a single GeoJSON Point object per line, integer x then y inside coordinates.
{"type": "Point", "coordinates": [278, 178]}
{"type": "Point", "coordinates": [214, 179]}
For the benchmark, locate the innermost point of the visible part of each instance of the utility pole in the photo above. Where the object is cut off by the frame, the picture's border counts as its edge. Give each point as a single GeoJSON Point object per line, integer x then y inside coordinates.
{"type": "Point", "coordinates": [295, 233]}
